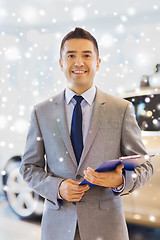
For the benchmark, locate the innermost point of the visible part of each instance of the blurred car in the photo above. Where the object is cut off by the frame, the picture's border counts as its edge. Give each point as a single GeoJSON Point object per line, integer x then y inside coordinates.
{"type": "Point", "coordinates": [140, 207]}
{"type": "Point", "coordinates": [21, 198]}
{"type": "Point", "coordinates": [143, 205]}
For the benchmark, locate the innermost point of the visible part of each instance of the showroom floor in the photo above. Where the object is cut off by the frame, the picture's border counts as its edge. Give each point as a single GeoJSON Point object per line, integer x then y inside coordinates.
{"type": "Point", "coordinates": [11, 227]}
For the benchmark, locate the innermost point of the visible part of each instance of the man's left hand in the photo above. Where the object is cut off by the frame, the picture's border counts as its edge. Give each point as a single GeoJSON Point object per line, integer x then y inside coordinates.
{"type": "Point", "coordinates": [105, 179]}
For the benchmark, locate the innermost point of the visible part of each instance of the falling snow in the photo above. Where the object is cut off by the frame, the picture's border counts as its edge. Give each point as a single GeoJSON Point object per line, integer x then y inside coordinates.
{"type": "Point", "coordinates": [146, 157]}
{"type": "Point", "coordinates": [134, 175]}
{"type": "Point", "coordinates": [39, 139]}
{"type": "Point", "coordinates": [147, 100]}
{"type": "Point", "coordinates": [152, 218]}
{"type": "Point", "coordinates": [61, 159]}
{"type": "Point", "coordinates": [30, 37]}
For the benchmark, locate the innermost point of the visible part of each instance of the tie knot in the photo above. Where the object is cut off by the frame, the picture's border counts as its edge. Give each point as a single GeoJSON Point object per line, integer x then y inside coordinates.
{"type": "Point", "coordinates": [78, 99]}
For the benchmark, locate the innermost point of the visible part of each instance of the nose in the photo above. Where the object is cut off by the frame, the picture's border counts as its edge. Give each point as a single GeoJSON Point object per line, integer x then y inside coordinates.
{"type": "Point", "coordinates": [79, 62]}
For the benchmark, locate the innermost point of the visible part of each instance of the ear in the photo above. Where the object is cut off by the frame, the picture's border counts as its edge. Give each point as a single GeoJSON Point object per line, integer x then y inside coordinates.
{"type": "Point", "coordinates": [98, 64]}
{"type": "Point", "coordinates": [61, 65]}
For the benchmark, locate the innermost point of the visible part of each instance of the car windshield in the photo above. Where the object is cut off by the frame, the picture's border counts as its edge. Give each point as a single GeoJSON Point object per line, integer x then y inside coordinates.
{"type": "Point", "coordinates": [147, 110]}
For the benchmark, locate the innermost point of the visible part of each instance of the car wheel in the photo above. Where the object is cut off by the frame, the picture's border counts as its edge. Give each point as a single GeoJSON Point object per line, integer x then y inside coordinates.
{"type": "Point", "coordinates": [21, 198]}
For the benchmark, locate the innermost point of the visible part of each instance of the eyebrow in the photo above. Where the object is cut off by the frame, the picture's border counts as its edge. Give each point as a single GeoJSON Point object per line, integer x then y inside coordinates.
{"type": "Point", "coordinates": [87, 51]}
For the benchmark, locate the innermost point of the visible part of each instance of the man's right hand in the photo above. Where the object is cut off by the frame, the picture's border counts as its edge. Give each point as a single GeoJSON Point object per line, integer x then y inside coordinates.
{"type": "Point", "coordinates": [70, 190]}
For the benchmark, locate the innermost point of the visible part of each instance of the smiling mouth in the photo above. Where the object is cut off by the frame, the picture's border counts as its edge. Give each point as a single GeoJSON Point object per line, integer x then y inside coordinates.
{"type": "Point", "coordinates": [79, 71]}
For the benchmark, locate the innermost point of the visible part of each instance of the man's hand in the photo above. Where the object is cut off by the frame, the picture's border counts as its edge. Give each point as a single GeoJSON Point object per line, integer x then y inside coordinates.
{"type": "Point", "coordinates": [71, 191]}
{"type": "Point", "coordinates": [105, 179]}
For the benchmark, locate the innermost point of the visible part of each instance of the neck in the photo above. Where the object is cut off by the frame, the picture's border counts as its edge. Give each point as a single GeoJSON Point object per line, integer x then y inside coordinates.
{"type": "Point", "coordinates": [79, 90]}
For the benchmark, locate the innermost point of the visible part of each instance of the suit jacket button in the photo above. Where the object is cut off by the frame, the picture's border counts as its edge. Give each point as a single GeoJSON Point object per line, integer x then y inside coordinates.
{"type": "Point", "coordinates": [78, 177]}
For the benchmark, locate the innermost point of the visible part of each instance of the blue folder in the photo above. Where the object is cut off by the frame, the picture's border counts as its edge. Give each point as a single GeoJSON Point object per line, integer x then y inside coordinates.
{"type": "Point", "coordinates": [129, 162]}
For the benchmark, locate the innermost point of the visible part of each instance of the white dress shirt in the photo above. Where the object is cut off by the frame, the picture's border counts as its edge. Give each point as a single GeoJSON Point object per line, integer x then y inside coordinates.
{"type": "Point", "coordinates": [86, 106]}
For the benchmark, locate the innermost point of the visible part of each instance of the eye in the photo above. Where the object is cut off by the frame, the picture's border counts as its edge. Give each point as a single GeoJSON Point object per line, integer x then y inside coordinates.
{"type": "Point", "coordinates": [71, 56]}
{"type": "Point", "coordinates": [87, 56]}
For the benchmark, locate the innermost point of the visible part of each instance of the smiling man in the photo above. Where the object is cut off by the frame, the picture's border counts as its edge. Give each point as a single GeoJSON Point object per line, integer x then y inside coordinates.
{"type": "Point", "coordinates": [79, 62]}
{"type": "Point", "coordinates": [79, 129]}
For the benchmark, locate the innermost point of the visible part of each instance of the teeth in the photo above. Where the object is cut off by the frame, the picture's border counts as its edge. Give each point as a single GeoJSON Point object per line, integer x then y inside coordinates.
{"type": "Point", "coordinates": [79, 71]}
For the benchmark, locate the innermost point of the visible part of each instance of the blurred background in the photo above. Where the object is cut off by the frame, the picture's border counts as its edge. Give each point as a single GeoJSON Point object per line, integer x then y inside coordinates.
{"type": "Point", "coordinates": [128, 34]}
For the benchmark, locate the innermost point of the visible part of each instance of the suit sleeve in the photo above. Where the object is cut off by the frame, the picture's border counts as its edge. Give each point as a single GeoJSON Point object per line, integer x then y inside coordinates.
{"type": "Point", "coordinates": [131, 144]}
{"type": "Point", "coordinates": [33, 167]}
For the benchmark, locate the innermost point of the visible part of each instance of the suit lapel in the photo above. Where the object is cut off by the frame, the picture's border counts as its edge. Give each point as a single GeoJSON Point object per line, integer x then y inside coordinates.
{"type": "Point", "coordinates": [63, 127]}
{"type": "Point", "coordinates": [96, 120]}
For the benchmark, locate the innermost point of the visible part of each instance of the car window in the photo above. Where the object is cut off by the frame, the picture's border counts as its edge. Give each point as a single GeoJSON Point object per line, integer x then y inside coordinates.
{"type": "Point", "coordinates": [147, 110]}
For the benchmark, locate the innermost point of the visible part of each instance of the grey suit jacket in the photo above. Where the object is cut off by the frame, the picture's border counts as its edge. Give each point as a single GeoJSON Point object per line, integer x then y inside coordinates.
{"type": "Point", "coordinates": [49, 158]}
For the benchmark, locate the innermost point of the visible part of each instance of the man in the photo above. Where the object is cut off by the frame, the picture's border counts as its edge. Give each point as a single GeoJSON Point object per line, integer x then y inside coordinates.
{"type": "Point", "coordinates": [71, 135]}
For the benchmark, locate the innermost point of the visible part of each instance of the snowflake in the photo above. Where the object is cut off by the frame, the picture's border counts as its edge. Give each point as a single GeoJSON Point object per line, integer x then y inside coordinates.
{"type": "Point", "coordinates": [155, 7]}
{"type": "Point", "coordinates": [5, 188]}
{"type": "Point", "coordinates": [19, 20]}
{"type": "Point", "coordinates": [12, 54]}
{"type": "Point", "coordinates": [146, 157]}
{"type": "Point", "coordinates": [120, 29]}
{"type": "Point", "coordinates": [27, 55]}
{"type": "Point", "coordinates": [124, 18]}
{"type": "Point", "coordinates": [96, 11]}
{"type": "Point", "coordinates": [158, 106]}
{"type": "Point", "coordinates": [4, 99]}
{"type": "Point", "coordinates": [137, 216]}
{"type": "Point", "coordinates": [2, 144]}
{"type": "Point", "coordinates": [11, 145]}
{"type": "Point", "coordinates": [131, 11]}
{"type": "Point", "coordinates": [66, 9]}
{"type": "Point", "coordinates": [106, 40]}
{"type": "Point", "coordinates": [61, 159]}
{"type": "Point", "coordinates": [21, 125]}
{"type": "Point", "coordinates": [54, 20]}
{"type": "Point", "coordinates": [42, 12]}
{"type": "Point", "coordinates": [134, 175]}
{"type": "Point", "coordinates": [39, 139]}
{"type": "Point", "coordinates": [155, 121]}
{"type": "Point", "coordinates": [152, 218]}
{"type": "Point", "coordinates": [3, 172]}
{"type": "Point", "coordinates": [3, 13]}
{"type": "Point", "coordinates": [12, 128]}
{"type": "Point", "coordinates": [10, 118]}
{"type": "Point", "coordinates": [78, 13]}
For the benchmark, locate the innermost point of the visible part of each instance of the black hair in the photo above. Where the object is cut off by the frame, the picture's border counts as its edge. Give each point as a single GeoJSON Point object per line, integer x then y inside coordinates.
{"type": "Point", "coordinates": [79, 33]}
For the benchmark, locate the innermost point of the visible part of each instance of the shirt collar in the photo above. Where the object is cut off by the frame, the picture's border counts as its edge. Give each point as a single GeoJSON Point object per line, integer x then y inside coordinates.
{"type": "Point", "coordinates": [88, 95]}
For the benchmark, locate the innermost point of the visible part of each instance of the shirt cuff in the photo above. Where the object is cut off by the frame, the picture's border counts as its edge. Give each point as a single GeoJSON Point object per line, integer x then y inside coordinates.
{"type": "Point", "coordinates": [58, 196]}
{"type": "Point", "coordinates": [120, 188]}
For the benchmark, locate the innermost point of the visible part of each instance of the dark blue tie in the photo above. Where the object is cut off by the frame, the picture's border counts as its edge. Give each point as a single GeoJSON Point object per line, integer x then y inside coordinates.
{"type": "Point", "coordinates": [76, 128]}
